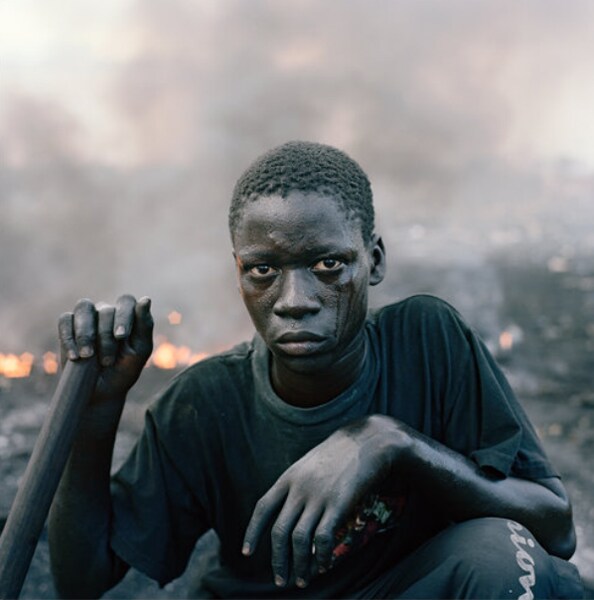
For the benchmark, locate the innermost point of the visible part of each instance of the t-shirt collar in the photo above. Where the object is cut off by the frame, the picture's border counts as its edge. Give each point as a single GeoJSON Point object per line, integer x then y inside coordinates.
{"type": "Point", "coordinates": [364, 384]}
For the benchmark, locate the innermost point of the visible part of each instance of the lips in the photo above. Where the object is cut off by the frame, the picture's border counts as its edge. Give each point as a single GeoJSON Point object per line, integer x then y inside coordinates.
{"type": "Point", "coordinates": [299, 336]}
{"type": "Point", "coordinates": [300, 343]}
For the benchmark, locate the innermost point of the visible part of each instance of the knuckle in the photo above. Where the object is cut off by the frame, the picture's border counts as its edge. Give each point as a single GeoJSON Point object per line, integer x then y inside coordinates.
{"type": "Point", "coordinates": [126, 299]}
{"type": "Point", "coordinates": [106, 310]}
{"type": "Point", "coordinates": [84, 304]}
{"type": "Point", "coordinates": [300, 538]}
{"type": "Point", "coordinates": [279, 534]}
{"type": "Point", "coordinates": [65, 325]}
{"type": "Point", "coordinates": [85, 340]}
{"type": "Point", "coordinates": [106, 314]}
{"type": "Point", "coordinates": [324, 540]}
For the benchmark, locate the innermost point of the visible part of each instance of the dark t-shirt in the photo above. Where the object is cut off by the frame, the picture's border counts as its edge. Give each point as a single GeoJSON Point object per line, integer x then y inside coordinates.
{"type": "Point", "coordinates": [218, 437]}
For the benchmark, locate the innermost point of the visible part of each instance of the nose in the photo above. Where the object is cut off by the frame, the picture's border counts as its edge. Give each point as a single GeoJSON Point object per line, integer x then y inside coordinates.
{"type": "Point", "coordinates": [297, 295]}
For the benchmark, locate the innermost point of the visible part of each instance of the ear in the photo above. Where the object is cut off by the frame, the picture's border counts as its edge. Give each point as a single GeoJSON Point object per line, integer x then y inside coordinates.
{"type": "Point", "coordinates": [378, 260]}
{"type": "Point", "coordinates": [237, 280]}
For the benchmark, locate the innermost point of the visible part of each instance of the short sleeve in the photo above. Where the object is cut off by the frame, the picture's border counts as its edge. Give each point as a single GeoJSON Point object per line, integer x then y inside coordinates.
{"type": "Point", "coordinates": [486, 422]}
{"type": "Point", "coordinates": [156, 518]}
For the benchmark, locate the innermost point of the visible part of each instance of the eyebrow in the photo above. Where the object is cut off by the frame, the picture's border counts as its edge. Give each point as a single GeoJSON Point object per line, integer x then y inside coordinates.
{"type": "Point", "coordinates": [253, 254]}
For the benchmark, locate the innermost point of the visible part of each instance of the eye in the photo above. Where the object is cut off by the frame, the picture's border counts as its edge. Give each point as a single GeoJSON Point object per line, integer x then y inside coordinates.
{"type": "Point", "coordinates": [327, 265]}
{"type": "Point", "coordinates": [261, 270]}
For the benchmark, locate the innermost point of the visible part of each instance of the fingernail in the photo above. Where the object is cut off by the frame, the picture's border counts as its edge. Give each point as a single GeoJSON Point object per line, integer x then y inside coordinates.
{"type": "Point", "coordinates": [86, 352]}
{"type": "Point", "coordinates": [107, 361]}
{"type": "Point", "coordinates": [121, 330]}
{"type": "Point", "coordinates": [300, 582]}
{"type": "Point", "coordinates": [322, 570]}
{"type": "Point", "coordinates": [279, 581]}
{"type": "Point", "coordinates": [72, 355]}
{"type": "Point", "coordinates": [245, 550]}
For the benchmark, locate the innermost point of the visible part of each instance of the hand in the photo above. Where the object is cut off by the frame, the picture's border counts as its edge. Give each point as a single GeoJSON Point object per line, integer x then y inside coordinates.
{"type": "Point", "coordinates": [120, 335]}
{"type": "Point", "coordinates": [313, 497]}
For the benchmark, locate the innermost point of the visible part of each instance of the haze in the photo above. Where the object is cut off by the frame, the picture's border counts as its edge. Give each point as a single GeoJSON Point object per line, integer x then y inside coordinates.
{"type": "Point", "coordinates": [124, 125]}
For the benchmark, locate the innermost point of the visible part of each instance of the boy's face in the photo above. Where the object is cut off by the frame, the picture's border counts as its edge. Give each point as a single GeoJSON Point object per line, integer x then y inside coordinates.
{"type": "Point", "coordinates": [304, 272]}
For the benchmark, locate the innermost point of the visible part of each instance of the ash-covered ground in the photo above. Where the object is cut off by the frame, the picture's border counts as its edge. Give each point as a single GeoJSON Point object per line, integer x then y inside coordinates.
{"type": "Point", "coordinates": [544, 308]}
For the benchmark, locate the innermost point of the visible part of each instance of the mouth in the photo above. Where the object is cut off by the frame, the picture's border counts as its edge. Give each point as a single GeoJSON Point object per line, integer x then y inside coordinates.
{"type": "Point", "coordinates": [300, 343]}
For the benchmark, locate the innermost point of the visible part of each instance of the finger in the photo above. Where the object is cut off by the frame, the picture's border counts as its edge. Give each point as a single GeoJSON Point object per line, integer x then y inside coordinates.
{"type": "Point", "coordinates": [280, 536]}
{"type": "Point", "coordinates": [68, 349]}
{"type": "Point", "coordinates": [325, 539]}
{"type": "Point", "coordinates": [265, 509]}
{"type": "Point", "coordinates": [141, 338]}
{"type": "Point", "coordinates": [85, 323]}
{"type": "Point", "coordinates": [302, 546]}
{"type": "Point", "coordinates": [107, 343]}
{"type": "Point", "coordinates": [124, 316]}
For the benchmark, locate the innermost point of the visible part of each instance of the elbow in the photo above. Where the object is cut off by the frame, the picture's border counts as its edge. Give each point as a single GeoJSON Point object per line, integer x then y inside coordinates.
{"type": "Point", "coordinates": [556, 518]}
{"type": "Point", "coordinates": [563, 539]}
{"type": "Point", "coordinates": [565, 542]}
{"type": "Point", "coordinates": [567, 549]}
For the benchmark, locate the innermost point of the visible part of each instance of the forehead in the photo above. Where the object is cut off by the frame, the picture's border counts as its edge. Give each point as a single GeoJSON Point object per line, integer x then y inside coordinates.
{"type": "Point", "coordinates": [301, 218]}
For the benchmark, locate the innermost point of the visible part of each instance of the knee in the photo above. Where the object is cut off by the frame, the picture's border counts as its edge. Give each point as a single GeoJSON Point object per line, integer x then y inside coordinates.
{"type": "Point", "coordinates": [498, 554]}
{"type": "Point", "coordinates": [486, 558]}
{"type": "Point", "coordinates": [480, 548]}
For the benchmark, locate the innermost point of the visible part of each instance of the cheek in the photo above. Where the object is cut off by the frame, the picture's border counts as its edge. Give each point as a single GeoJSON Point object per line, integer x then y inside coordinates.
{"type": "Point", "coordinates": [351, 305]}
{"type": "Point", "coordinates": [258, 302]}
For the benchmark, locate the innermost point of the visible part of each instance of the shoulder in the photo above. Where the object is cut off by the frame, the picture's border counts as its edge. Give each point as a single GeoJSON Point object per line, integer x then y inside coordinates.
{"type": "Point", "coordinates": [423, 330]}
{"type": "Point", "coordinates": [421, 311]}
{"type": "Point", "coordinates": [212, 367]}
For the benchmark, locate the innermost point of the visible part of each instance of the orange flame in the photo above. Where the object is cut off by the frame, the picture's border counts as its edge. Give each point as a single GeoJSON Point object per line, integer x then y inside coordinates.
{"type": "Point", "coordinates": [50, 363]}
{"type": "Point", "coordinates": [168, 356]}
{"type": "Point", "coordinates": [165, 356]}
{"type": "Point", "coordinates": [174, 318]}
{"type": "Point", "coordinates": [13, 366]}
{"type": "Point", "coordinates": [506, 340]}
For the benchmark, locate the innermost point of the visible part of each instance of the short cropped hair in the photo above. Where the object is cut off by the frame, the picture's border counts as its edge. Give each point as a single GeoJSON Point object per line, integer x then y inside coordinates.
{"type": "Point", "coordinates": [306, 167]}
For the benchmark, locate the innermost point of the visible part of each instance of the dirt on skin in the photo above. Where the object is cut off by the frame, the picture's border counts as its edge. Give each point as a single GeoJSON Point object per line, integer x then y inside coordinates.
{"type": "Point", "coordinates": [547, 318]}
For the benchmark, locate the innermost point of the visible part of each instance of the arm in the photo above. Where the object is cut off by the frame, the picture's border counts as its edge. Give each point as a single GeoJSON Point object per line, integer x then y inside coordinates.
{"type": "Point", "coordinates": [466, 492]}
{"type": "Point", "coordinates": [83, 563]}
{"type": "Point", "coordinates": [312, 498]}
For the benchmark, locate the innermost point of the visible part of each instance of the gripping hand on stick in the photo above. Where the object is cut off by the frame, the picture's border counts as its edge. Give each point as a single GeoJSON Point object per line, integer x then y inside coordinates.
{"type": "Point", "coordinates": [120, 335]}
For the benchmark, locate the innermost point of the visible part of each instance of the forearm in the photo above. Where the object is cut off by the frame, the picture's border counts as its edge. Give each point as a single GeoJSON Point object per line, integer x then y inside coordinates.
{"type": "Point", "coordinates": [465, 492]}
{"type": "Point", "coordinates": [83, 563]}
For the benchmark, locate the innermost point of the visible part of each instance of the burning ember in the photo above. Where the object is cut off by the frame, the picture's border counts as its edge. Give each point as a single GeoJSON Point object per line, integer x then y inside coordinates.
{"type": "Point", "coordinates": [509, 337]}
{"type": "Point", "coordinates": [169, 356]}
{"type": "Point", "coordinates": [13, 366]}
{"type": "Point", "coordinates": [506, 340]}
{"type": "Point", "coordinates": [50, 363]}
{"type": "Point", "coordinates": [174, 318]}
{"type": "Point", "coordinates": [165, 356]}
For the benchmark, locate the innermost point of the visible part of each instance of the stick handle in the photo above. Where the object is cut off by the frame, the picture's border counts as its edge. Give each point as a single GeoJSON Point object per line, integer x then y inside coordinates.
{"type": "Point", "coordinates": [42, 475]}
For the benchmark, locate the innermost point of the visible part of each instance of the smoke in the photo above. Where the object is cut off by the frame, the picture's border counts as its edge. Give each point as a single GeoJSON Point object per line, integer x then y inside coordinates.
{"type": "Point", "coordinates": [456, 111]}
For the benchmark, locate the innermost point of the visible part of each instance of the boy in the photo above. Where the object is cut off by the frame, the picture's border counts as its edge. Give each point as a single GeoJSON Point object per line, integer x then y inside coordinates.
{"type": "Point", "coordinates": [338, 453]}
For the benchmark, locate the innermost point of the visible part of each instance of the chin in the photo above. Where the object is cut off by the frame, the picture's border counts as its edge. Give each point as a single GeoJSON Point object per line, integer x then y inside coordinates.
{"type": "Point", "coordinates": [306, 365]}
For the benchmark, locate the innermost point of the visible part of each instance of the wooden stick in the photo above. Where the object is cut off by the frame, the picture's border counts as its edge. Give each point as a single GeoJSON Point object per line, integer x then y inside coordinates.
{"type": "Point", "coordinates": [42, 475]}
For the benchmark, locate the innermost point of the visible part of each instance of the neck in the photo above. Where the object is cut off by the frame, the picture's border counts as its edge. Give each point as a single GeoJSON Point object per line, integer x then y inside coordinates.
{"type": "Point", "coordinates": [310, 389]}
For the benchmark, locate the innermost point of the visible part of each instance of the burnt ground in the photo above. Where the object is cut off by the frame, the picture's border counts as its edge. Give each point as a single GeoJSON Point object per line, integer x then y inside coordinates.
{"type": "Point", "coordinates": [550, 316]}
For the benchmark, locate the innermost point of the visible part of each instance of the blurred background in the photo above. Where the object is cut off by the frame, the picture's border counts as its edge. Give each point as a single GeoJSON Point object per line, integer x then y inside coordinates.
{"type": "Point", "coordinates": [124, 125]}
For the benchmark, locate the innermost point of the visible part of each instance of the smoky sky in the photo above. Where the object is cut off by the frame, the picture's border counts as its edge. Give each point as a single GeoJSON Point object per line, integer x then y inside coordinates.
{"type": "Point", "coordinates": [446, 106]}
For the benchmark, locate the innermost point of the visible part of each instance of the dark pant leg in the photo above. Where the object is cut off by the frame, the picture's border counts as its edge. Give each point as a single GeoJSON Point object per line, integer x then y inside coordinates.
{"type": "Point", "coordinates": [481, 558]}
